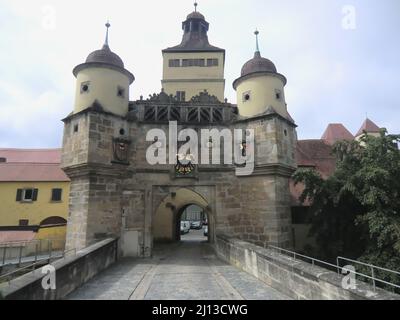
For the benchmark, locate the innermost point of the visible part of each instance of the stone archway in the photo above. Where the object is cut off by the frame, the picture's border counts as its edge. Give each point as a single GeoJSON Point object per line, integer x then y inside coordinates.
{"type": "Point", "coordinates": [202, 215]}
{"type": "Point", "coordinates": [167, 214]}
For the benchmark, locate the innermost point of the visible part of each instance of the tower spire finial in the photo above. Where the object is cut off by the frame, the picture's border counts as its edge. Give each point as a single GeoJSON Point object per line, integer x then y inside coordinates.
{"type": "Point", "coordinates": [195, 6]}
{"type": "Point", "coordinates": [108, 25]}
{"type": "Point", "coordinates": [257, 46]}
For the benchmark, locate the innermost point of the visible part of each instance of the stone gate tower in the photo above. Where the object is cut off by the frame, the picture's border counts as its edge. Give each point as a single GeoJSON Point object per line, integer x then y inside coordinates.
{"type": "Point", "coordinates": [115, 191]}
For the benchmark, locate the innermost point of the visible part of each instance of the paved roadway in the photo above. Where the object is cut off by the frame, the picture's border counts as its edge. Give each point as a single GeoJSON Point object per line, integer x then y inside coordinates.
{"type": "Point", "coordinates": [188, 270]}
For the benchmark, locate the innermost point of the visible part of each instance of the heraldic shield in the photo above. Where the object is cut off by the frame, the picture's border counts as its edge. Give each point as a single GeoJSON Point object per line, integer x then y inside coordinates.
{"type": "Point", "coordinates": [121, 150]}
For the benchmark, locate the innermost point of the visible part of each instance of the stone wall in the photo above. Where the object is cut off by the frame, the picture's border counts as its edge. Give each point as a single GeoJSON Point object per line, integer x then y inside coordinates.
{"type": "Point", "coordinates": [265, 212]}
{"type": "Point", "coordinates": [297, 279]}
{"type": "Point", "coordinates": [71, 273]}
{"type": "Point", "coordinates": [75, 149]}
{"type": "Point", "coordinates": [109, 197]}
{"type": "Point", "coordinates": [78, 212]}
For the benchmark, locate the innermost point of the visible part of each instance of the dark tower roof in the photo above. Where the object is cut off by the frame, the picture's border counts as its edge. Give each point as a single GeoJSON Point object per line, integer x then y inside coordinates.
{"type": "Point", "coordinates": [258, 65]}
{"type": "Point", "coordinates": [105, 55]}
{"type": "Point", "coordinates": [195, 37]}
{"type": "Point", "coordinates": [104, 58]}
{"type": "Point", "coordinates": [195, 15]}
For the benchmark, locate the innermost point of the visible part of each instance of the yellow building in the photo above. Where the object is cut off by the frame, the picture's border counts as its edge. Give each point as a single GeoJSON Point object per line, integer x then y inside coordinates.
{"type": "Point", "coordinates": [34, 195]}
{"type": "Point", "coordinates": [194, 66]}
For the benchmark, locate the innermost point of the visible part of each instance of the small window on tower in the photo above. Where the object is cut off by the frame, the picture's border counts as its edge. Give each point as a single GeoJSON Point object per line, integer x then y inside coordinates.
{"type": "Point", "coordinates": [195, 27]}
{"type": "Point", "coordinates": [85, 86]}
{"type": "Point", "coordinates": [278, 94]}
{"type": "Point", "coordinates": [212, 62]}
{"type": "Point", "coordinates": [174, 63]}
{"type": "Point", "coordinates": [199, 62]}
{"type": "Point", "coordinates": [246, 96]}
{"type": "Point", "coordinates": [121, 92]}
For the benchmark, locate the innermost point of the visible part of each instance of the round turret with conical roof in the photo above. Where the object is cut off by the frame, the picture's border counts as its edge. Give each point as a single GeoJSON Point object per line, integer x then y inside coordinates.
{"type": "Point", "coordinates": [260, 88]}
{"type": "Point", "coordinates": [102, 80]}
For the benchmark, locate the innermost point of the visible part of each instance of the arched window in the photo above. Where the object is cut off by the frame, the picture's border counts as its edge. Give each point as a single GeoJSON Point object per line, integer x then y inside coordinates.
{"type": "Point", "coordinates": [53, 221]}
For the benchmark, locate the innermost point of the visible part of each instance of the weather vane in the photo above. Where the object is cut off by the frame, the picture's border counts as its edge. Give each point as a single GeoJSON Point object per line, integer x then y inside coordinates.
{"type": "Point", "coordinates": [108, 25]}
{"type": "Point", "coordinates": [257, 46]}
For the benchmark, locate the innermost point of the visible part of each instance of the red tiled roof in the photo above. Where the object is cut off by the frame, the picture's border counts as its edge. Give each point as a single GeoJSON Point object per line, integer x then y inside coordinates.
{"type": "Point", "coordinates": [369, 127]}
{"type": "Point", "coordinates": [28, 165]}
{"type": "Point", "coordinates": [336, 132]}
{"type": "Point", "coordinates": [316, 154]}
{"type": "Point", "coordinates": [31, 155]}
{"type": "Point", "coordinates": [26, 172]}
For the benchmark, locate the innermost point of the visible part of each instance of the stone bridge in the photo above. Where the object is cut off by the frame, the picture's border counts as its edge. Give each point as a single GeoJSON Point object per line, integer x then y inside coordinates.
{"type": "Point", "coordinates": [182, 271]}
{"type": "Point", "coordinates": [229, 270]}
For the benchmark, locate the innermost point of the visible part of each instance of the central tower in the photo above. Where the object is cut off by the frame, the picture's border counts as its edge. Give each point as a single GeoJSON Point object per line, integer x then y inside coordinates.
{"type": "Point", "coordinates": [194, 65]}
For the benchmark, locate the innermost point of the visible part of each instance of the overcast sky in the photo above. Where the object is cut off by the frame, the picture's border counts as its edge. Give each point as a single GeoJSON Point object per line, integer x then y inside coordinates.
{"type": "Point", "coordinates": [338, 69]}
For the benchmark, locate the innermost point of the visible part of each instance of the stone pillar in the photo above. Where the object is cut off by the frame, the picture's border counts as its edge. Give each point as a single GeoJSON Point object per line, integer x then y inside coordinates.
{"type": "Point", "coordinates": [78, 212]}
{"type": "Point", "coordinates": [265, 195]}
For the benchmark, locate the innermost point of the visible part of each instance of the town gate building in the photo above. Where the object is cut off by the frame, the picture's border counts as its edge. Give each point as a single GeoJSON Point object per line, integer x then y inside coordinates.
{"type": "Point", "coordinates": [115, 191]}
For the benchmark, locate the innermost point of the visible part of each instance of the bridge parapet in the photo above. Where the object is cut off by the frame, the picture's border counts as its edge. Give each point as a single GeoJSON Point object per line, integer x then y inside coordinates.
{"type": "Point", "coordinates": [295, 278]}
{"type": "Point", "coordinates": [70, 273]}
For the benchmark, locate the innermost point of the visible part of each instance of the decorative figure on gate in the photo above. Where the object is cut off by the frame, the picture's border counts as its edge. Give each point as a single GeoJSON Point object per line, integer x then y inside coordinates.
{"type": "Point", "coordinates": [184, 163]}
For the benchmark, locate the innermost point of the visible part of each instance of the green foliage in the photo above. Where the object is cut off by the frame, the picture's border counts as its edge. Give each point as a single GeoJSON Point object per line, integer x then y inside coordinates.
{"type": "Point", "coordinates": [356, 211]}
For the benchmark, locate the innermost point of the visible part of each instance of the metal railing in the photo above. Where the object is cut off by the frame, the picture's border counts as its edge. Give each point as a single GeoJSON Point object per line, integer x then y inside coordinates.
{"type": "Point", "coordinates": [7, 277]}
{"type": "Point", "coordinates": [372, 268]}
{"type": "Point", "coordinates": [18, 252]}
{"type": "Point", "coordinates": [314, 262]}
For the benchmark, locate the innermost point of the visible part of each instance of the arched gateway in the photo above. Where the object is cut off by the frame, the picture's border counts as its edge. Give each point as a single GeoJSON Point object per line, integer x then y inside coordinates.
{"type": "Point", "coordinates": [116, 190]}
{"type": "Point", "coordinates": [167, 216]}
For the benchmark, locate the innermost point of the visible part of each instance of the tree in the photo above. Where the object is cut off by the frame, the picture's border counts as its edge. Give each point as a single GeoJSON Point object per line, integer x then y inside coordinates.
{"type": "Point", "coordinates": [356, 212]}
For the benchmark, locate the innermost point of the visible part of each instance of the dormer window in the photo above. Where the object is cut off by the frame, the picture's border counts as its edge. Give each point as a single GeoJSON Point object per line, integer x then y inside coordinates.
{"type": "Point", "coordinates": [85, 87]}
{"type": "Point", "coordinates": [121, 92]}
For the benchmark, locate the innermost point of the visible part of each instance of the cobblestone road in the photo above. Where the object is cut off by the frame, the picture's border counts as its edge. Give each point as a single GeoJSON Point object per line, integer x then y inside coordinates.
{"type": "Point", "coordinates": [188, 270]}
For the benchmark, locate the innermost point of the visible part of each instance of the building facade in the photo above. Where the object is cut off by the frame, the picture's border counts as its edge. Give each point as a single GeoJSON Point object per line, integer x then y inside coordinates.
{"type": "Point", "coordinates": [34, 194]}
